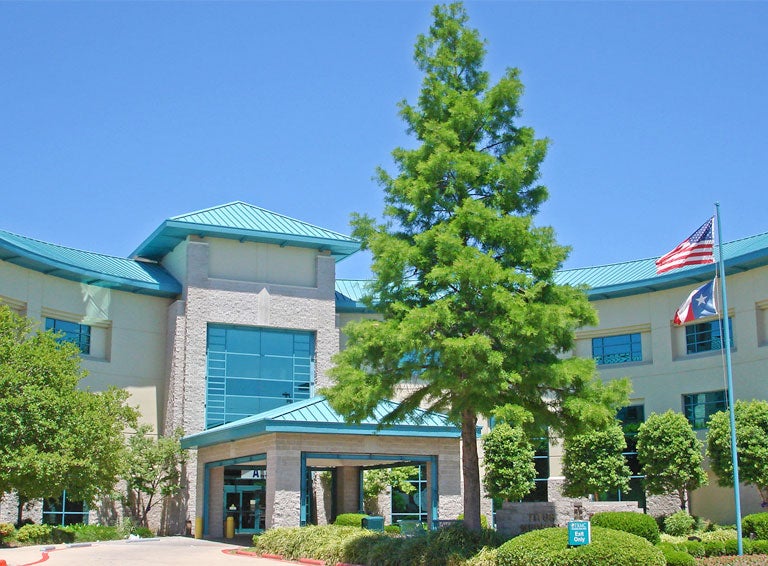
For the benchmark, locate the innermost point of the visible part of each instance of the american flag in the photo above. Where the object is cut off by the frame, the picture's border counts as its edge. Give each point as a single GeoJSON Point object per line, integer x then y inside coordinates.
{"type": "Point", "coordinates": [695, 250]}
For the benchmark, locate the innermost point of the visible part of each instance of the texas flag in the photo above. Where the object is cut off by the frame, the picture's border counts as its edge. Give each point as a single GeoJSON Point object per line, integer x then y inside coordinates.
{"type": "Point", "coordinates": [699, 304]}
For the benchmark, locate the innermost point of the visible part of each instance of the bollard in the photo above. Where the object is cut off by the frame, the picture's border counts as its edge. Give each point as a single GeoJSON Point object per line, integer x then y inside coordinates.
{"type": "Point", "coordinates": [198, 527]}
{"type": "Point", "coordinates": [230, 527]}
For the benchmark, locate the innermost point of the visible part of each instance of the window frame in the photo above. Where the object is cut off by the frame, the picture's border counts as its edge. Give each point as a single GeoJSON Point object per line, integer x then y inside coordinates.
{"type": "Point", "coordinates": [701, 424]}
{"type": "Point", "coordinates": [63, 514]}
{"type": "Point", "coordinates": [694, 343]}
{"type": "Point", "coordinates": [69, 331]}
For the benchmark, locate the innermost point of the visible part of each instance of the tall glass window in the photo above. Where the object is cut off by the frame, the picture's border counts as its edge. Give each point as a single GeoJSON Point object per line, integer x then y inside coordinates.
{"type": "Point", "coordinates": [617, 349]}
{"type": "Point", "coordinates": [252, 370]}
{"type": "Point", "coordinates": [698, 407]}
{"type": "Point", "coordinates": [78, 334]}
{"type": "Point", "coordinates": [631, 418]}
{"type": "Point", "coordinates": [706, 336]}
{"type": "Point", "coordinates": [64, 511]}
{"type": "Point", "coordinates": [411, 506]}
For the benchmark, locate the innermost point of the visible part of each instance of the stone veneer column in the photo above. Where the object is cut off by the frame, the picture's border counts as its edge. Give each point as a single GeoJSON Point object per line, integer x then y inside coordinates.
{"type": "Point", "coordinates": [283, 488]}
{"type": "Point", "coordinates": [348, 489]}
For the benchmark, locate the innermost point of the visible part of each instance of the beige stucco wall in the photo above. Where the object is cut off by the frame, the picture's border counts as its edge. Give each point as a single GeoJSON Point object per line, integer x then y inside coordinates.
{"type": "Point", "coordinates": [667, 372]}
{"type": "Point", "coordinates": [128, 332]}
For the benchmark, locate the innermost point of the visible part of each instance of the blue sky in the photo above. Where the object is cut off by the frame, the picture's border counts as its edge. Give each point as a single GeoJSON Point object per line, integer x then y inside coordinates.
{"type": "Point", "coordinates": [117, 115]}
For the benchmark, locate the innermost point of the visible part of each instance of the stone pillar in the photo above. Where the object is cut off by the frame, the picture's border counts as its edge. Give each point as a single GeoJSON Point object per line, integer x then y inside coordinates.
{"type": "Point", "coordinates": [348, 489]}
{"type": "Point", "coordinates": [283, 487]}
{"type": "Point", "coordinates": [216, 503]}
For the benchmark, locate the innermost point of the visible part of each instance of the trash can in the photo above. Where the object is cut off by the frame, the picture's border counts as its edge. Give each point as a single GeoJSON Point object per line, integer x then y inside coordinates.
{"type": "Point", "coordinates": [373, 523]}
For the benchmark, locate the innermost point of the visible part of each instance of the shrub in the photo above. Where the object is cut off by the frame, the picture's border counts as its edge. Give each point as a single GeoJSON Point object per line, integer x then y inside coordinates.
{"type": "Point", "coordinates": [62, 535]}
{"type": "Point", "coordinates": [679, 524]}
{"type": "Point", "coordinates": [93, 533]}
{"type": "Point", "coordinates": [550, 546]}
{"type": "Point", "coordinates": [721, 535]}
{"type": "Point", "coordinates": [714, 547]}
{"type": "Point", "coordinates": [757, 524]}
{"type": "Point", "coordinates": [760, 547]}
{"type": "Point", "coordinates": [695, 548]}
{"type": "Point", "coordinates": [394, 529]}
{"type": "Point", "coordinates": [34, 534]}
{"type": "Point", "coordinates": [350, 519]}
{"type": "Point", "coordinates": [6, 531]}
{"type": "Point", "coordinates": [732, 547]}
{"type": "Point", "coordinates": [635, 523]}
{"type": "Point", "coordinates": [677, 557]}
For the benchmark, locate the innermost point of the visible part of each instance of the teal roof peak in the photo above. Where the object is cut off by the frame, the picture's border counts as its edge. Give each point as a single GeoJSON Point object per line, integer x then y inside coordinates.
{"type": "Point", "coordinates": [247, 223]}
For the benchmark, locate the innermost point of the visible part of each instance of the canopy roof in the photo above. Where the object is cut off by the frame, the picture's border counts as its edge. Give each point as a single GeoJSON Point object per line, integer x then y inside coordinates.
{"type": "Point", "coordinates": [315, 415]}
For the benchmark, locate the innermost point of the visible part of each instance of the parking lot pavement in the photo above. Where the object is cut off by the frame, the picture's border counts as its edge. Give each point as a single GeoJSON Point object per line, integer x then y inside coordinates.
{"type": "Point", "coordinates": [159, 551]}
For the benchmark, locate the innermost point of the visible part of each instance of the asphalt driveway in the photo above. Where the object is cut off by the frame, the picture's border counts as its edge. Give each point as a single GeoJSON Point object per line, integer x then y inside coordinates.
{"type": "Point", "coordinates": [160, 551]}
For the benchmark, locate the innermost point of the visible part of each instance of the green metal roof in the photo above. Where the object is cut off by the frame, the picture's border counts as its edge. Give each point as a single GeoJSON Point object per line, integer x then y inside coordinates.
{"type": "Point", "coordinates": [617, 279]}
{"type": "Point", "coordinates": [88, 267]}
{"type": "Point", "coordinates": [246, 223]}
{"type": "Point", "coordinates": [639, 276]}
{"type": "Point", "coordinates": [315, 415]}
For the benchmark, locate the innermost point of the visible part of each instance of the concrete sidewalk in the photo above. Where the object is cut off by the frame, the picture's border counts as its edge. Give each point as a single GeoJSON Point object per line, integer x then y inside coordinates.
{"type": "Point", "coordinates": [152, 552]}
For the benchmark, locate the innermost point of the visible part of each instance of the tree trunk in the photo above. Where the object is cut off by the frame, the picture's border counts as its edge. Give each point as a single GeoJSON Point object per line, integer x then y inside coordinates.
{"type": "Point", "coordinates": [471, 469]}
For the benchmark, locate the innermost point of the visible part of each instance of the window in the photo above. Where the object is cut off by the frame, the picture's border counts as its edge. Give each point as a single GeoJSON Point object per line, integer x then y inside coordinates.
{"type": "Point", "coordinates": [706, 336]}
{"type": "Point", "coordinates": [631, 418]}
{"type": "Point", "coordinates": [541, 462]}
{"type": "Point", "coordinates": [252, 370]}
{"type": "Point", "coordinates": [617, 349]}
{"type": "Point", "coordinates": [411, 506]}
{"type": "Point", "coordinates": [78, 334]}
{"type": "Point", "coordinates": [698, 407]}
{"type": "Point", "coordinates": [64, 511]}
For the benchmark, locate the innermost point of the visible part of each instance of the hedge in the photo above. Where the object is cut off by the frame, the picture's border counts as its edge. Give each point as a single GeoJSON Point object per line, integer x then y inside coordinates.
{"type": "Point", "coordinates": [634, 523]}
{"type": "Point", "coordinates": [757, 524]}
{"type": "Point", "coordinates": [550, 546]}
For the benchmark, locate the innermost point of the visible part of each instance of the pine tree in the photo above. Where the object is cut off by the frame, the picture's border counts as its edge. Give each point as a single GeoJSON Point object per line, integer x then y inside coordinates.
{"type": "Point", "coordinates": [463, 280]}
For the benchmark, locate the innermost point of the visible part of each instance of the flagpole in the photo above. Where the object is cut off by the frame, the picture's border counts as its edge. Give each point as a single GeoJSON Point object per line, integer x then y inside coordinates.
{"type": "Point", "coordinates": [731, 400]}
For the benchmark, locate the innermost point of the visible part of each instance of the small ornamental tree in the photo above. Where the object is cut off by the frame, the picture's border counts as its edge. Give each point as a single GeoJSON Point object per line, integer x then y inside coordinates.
{"type": "Point", "coordinates": [53, 435]}
{"type": "Point", "coordinates": [152, 470]}
{"type": "Point", "coordinates": [751, 443]}
{"type": "Point", "coordinates": [594, 463]}
{"type": "Point", "coordinates": [671, 456]}
{"type": "Point", "coordinates": [463, 279]}
{"type": "Point", "coordinates": [508, 463]}
{"type": "Point", "coordinates": [378, 479]}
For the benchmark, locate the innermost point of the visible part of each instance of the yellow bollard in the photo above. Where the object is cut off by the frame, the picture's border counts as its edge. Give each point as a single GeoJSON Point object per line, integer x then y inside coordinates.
{"type": "Point", "coordinates": [230, 527]}
{"type": "Point", "coordinates": [198, 527]}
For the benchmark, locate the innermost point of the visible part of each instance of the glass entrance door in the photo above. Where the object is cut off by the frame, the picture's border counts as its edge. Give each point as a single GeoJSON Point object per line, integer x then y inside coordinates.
{"type": "Point", "coordinates": [244, 504]}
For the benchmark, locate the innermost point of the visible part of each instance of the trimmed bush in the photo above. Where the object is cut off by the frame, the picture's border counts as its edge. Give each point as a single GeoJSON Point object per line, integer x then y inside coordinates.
{"type": "Point", "coordinates": [34, 534]}
{"type": "Point", "coordinates": [760, 547]}
{"type": "Point", "coordinates": [721, 535]}
{"type": "Point", "coordinates": [634, 523]}
{"type": "Point", "coordinates": [695, 548]}
{"type": "Point", "coordinates": [483, 520]}
{"type": "Point", "coordinates": [679, 524]}
{"type": "Point", "coordinates": [394, 529]}
{"type": "Point", "coordinates": [550, 546]}
{"type": "Point", "coordinates": [755, 524]}
{"type": "Point", "coordinates": [714, 547]}
{"type": "Point", "coordinates": [7, 531]}
{"type": "Point", "coordinates": [62, 535]}
{"type": "Point", "coordinates": [350, 519]}
{"type": "Point", "coordinates": [732, 547]}
{"type": "Point", "coordinates": [676, 557]}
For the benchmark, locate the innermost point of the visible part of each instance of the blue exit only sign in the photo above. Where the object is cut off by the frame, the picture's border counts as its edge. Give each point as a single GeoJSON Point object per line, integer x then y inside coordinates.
{"type": "Point", "coordinates": [579, 533]}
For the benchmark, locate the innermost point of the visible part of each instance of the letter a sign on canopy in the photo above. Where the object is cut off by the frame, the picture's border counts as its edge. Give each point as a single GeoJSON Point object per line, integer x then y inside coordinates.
{"type": "Point", "coordinates": [579, 533]}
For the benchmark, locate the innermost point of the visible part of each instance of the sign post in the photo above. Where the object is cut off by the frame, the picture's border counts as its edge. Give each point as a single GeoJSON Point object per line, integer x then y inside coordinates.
{"type": "Point", "coordinates": [579, 533]}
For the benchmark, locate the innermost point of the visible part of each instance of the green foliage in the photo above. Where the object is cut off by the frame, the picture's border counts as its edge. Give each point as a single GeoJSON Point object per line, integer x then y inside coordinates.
{"type": "Point", "coordinates": [755, 524]}
{"type": "Point", "coordinates": [34, 534]}
{"type": "Point", "coordinates": [508, 461]}
{"type": "Point", "coordinates": [54, 436]}
{"type": "Point", "coordinates": [463, 278]}
{"type": "Point", "coordinates": [62, 535]}
{"type": "Point", "coordinates": [7, 530]}
{"type": "Point", "coordinates": [377, 480]}
{"type": "Point", "coordinates": [676, 557]}
{"type": "Point", "coordinates": [714, 547]}
{"type": "Point", "coordinates": [671, 456]}
{"type": "Point", "coordinates": [751, 440]}
{"type": "Point", "coordinates": [93, 533]}
{"type": "Point", "coordinates": [152, 469]}
{"type": "Point", "coordinates": [350, 519]}
{"type": "Point", "coordinates": [392, 529]}
{"type": "Point", "coordinates": [593, 462]}
{"type": "Point", "coordinates": [679, 524]}
{"type": "Point", "coordinates": [695, 548]}
{"type": "Point", "coordinates": [550, 547]}
{"type": "Point", "coordinates": [450, 546]}
{"type": "Point", "coordinates": [760, 546]}
{"type": "Point", "coordinates": [636, 523]}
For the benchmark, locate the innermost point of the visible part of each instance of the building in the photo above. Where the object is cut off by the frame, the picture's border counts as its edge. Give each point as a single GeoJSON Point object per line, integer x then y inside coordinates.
{"type": "Point", "coordinates": [224, 322]}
